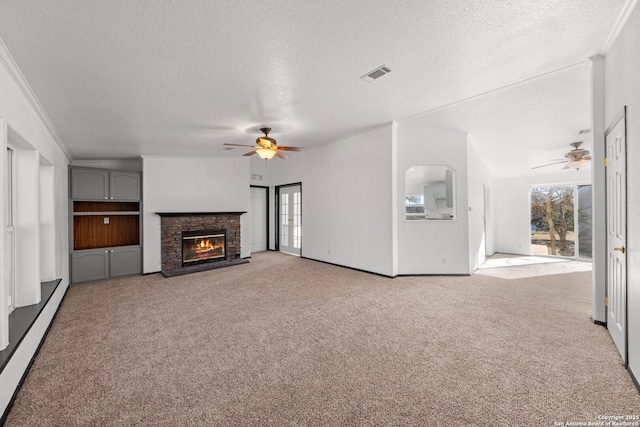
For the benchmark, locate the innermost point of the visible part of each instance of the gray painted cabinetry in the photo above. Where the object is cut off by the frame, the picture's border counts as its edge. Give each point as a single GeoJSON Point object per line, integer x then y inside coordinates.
{"type": "Point", "coordinates": [92, 264]}
{"type": "Point", "coordinates": [92, 224]}
{"type": "Point", "coordinates": [98, 264]}
{"type": "Point", "coordinates": [100, 184]}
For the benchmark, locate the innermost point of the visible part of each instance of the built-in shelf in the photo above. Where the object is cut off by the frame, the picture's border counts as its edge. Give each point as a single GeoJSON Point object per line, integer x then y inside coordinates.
{"type": "Point", "coordinates": [106, 213]}
{"type": "Point", "coordinates": [105, 224]}
{"type": "Point", "coordinates": [97, 208]}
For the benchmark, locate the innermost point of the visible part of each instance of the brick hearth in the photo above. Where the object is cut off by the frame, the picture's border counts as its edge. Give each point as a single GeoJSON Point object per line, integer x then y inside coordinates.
{"type": "Point", "coordinates": [173, 224]}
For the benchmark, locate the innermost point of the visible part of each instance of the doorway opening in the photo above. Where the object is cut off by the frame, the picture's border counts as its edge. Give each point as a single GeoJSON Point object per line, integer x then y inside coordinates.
{"type": "Point", "coordinates": [289, 218]}
{"type": "Point", "coordinates": [561, 221]}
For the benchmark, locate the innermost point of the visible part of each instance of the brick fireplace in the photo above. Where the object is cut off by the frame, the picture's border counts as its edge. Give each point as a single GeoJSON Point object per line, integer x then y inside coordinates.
{"type": "Point", "coordinates": [205, 226]}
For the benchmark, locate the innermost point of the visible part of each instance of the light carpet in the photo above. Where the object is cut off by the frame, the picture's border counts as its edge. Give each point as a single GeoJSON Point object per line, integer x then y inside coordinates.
{"type": "Point", "coordinates": [284, 341]}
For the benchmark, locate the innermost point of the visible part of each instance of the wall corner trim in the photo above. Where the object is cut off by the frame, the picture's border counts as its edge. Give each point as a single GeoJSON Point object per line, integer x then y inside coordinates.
{"type": "Point", "coordinates": [12, 68]}
{"type": "Point", "coordinates": [619, 25]}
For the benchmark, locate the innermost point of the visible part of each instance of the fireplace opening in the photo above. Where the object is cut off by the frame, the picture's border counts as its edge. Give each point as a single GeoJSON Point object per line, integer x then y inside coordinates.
{"type": "Point", "coordinates": [199, 247]}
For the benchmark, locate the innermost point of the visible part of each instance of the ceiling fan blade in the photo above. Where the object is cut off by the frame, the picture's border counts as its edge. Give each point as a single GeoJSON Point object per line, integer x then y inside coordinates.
{"type": "Point", "coordinates": [239, 145]}
{"type": "Point", "coordinates": [250, 153]}
{"type": "Point", "coordinates": [550, 164]}
{"type": "Point", "coordinates": [281, 155]}
{"type": "Point", "coordinates": [280, 147]}
{"type": "Point", "coordinates": [586, 158]}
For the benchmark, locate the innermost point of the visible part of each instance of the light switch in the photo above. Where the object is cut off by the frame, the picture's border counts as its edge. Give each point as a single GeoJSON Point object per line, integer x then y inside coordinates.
{"type": "Point", "coordinates": [106, 220]}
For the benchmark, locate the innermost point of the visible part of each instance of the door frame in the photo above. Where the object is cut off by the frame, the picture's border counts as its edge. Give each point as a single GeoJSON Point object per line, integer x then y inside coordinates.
{"type": "Point", "coordinates": [277, 213]}
{"type": "Point", "coordinates": [620, 117]}
{"type": "Point", "coordinates": [266, 190]}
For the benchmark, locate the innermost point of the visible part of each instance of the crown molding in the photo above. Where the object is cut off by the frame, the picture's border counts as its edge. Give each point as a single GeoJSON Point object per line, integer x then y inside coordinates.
{"type": "Point", "coordinates": [619, 25]}
{"type": "Point", "coordinates": [12, 68]}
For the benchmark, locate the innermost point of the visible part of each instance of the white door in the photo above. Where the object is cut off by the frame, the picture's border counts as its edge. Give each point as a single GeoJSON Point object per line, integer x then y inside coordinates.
{"type": "Point", "coordinates": [616, 178]}
{"type": "Point", "coordinates": [290, 221]}
{"type": "Point", "coordinates": [258, 214]}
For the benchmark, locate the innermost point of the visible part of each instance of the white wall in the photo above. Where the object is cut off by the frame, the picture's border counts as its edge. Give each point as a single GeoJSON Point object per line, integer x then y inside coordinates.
{"type": "Point", "coordinates": [512, 209]}
{"type": "Point", "coordinates": [433, 247]}
{"type": "Point", "coordinates": [479, 180]}
{"type": "Point", "coordinates": [20, 115]}
{"type": "Point", "coordinates": [347, 197]}
{"type": "Point", "coordinates": [184, 184]}
{"type": "Point", "coordinates": [622, 87]}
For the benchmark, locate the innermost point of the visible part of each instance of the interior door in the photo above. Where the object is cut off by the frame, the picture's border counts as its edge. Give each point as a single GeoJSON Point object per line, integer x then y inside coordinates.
{"type": "Point", "coordinates": [615, 140]}
{"type": "Point", "coordinates": [290, 219]}
{"type": "Point", "coordinates": [258, 214]}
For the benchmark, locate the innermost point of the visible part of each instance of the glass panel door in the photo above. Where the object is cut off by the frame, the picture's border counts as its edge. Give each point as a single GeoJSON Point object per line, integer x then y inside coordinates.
{"type": "Point", "coordinates": [556, 229]}
{"type": "Point", "coordinates": [584, 220]}
{"type": "Point", "coordinates": [290, 224]}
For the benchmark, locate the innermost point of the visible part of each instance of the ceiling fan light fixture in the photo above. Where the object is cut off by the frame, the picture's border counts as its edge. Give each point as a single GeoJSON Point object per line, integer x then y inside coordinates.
{"type": "Point", "coordinates": [265, 141]}
{"type": "Point", "coordinates": [265, 153]}
{"type": "Point", "coordinates": [576, 164]}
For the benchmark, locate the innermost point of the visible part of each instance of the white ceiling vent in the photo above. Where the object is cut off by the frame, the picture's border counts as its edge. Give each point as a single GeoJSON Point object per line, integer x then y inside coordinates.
{"type": "Point", "coordinates": [374, 74]}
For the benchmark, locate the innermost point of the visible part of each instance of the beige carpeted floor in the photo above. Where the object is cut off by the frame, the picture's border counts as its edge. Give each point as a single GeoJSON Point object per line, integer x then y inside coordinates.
{"type": "Point", "coordinates": [284, 341]}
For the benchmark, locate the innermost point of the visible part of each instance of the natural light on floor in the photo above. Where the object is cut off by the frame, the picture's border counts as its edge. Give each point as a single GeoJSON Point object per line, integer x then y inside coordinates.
{"type": "Point", "coordinates": [529, 266]}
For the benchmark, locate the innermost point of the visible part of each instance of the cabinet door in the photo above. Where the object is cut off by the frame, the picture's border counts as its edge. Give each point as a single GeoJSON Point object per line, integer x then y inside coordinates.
{"type": "Point", "coordinates": [90, 184]}
{"type": "Point", "coordinates": [125, 186]}
{"type": "Point", "coordinates": [429, 197]}
{"type": "Point", "coordinates": [125, 261]}
{"type": "Point", "coordinates": [441, 192]}
{"type": "Point", "coordinates": [89, 265]}
{"type": "Point", "coordinates": [449, 187]}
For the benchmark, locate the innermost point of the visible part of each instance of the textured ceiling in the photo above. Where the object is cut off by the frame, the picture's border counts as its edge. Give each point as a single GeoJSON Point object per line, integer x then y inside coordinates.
{"type": "Point", "coordinates": [124, 78]}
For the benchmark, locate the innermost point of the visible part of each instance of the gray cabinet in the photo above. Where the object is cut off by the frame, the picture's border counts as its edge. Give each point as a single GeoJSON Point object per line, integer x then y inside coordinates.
{"type": "Point", "coordinates": [449, 188]}
{"type": "Point", "coordinates": [90, 184]}
{"type": "Point", "coordinates": [433, 193]}
{"type": "Point", "coordinates": [89, 265]}
{"type": "Point", "coordinates": [100, 184]}
{"type": "Point", "coordinates": [98, 264]}
{"type": "Point", "coordinates": [124, 186]}
{"type": "Point", "coordinates": [124, 261]}
{"type": "Point", "coordinates": [429, 197]}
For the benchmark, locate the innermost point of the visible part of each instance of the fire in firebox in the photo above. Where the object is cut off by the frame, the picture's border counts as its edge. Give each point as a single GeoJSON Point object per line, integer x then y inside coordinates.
{"type": "Point", "coordinates": [196, 249]}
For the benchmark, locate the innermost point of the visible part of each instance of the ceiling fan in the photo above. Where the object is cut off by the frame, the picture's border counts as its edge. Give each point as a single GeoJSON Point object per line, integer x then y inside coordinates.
{"type": "Point", "coordinates": [266, 147]}
{"type": "Point", "coordinates": [574, 159]}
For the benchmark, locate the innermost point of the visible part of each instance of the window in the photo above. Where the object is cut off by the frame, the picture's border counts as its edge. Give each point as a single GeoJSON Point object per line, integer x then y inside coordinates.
{"type": "Point", "coordinates": [414, 204]}
{"type": "Point", "coordinates": [9, 202]}
{"type": "Point", "coordinates": [561, 221]}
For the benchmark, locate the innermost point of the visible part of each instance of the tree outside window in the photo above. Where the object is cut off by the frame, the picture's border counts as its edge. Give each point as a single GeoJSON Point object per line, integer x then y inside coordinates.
{"type": "Point", "coordinates": [552, 220]}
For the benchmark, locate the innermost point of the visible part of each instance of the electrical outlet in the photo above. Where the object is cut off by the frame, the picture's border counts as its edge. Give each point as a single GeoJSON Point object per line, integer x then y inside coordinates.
{"type": "Point", "coordinates": [106, 220]}
{"type": "Point", "coordinates": [444, 260]}
{"type": "Point", "coordinates": [329, 252]}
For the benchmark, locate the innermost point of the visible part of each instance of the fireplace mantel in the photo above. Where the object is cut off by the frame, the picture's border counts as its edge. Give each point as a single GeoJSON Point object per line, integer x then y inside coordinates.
{"type": "Point", "coordinates": [177, 214]}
